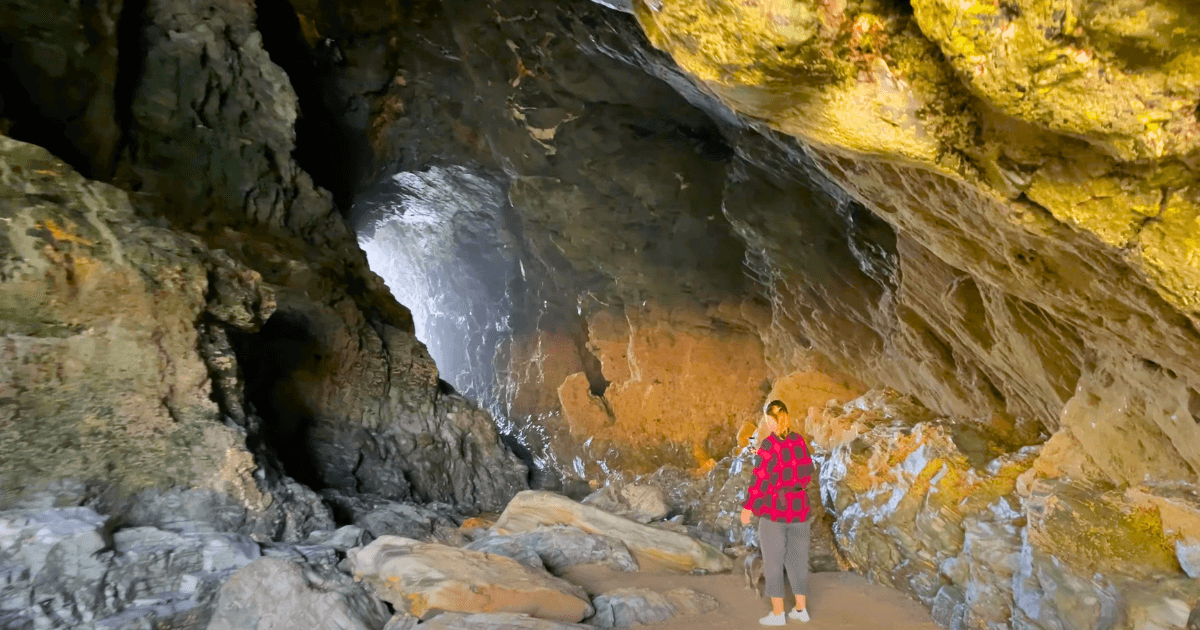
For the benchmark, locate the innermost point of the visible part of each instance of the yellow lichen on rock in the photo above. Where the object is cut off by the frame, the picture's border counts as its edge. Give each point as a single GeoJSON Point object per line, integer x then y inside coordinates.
{"type": "Point", "coordinates": [1170, 248]}
{"type": "Point", "coordinates": [1049, 63]}
{"type": "Point", "coordinates": [838, 74]}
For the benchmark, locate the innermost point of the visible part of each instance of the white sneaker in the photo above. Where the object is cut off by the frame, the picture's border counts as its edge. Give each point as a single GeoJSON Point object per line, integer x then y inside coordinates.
{"type": "Point", "coordinates": [773, 620]}
{"type": "Point", "coordinates": [802, 615]}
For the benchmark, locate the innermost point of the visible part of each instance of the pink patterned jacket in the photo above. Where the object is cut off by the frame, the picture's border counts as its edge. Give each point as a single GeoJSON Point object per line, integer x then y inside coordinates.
{"type": "Point", "coordinates": [782, 470]}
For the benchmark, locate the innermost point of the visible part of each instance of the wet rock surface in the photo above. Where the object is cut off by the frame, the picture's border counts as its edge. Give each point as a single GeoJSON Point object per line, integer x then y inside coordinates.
{"type": "Point", "coordinates": [67, 568]}
{"type": "Point", "coordinates": [424, 579]}
{"type": "Point", "coordinates": [558, 547]}
{"type": "Point", "coordinates": [532, 509]}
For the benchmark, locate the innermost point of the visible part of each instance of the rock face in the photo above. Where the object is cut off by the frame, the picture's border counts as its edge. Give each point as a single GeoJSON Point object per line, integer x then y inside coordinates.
{"type": "Point", "coordinates": [937, 510]}
{"type": "Point", "coordinates": [102, 379]}
{"type": "Point", "coordinates": [66, 567]}
{"type": "Point", "coordinates": [274, 593]}
{"type": "Point", "coordinates": [531, 509]}
{"type": "Point", "coordinates": [424, 579]}
{"type": "Point", "coordinates": [258, 321]}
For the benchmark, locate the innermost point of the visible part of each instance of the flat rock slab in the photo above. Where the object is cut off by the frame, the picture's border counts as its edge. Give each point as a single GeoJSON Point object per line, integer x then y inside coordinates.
{"type": "Point", "coordinates": [483, 621]}
{"type": "Point", "coordinates": [625, 607]}
{"type": "Point", "coordinates": [532, 509]}
{"type": "Point", "coordinates": [558, 547]}
{"type": "Point", "coordinates": [635, 502]}
{"type": "Point", "coordinates": [272, 594]}
{"type": "Point", "coordinates": [424, 579]}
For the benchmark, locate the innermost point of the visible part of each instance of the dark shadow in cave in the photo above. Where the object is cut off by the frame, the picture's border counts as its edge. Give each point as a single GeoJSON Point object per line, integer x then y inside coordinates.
{"type": "Point", "coordinates": [272, 362]}
{"type": "Point", "coordinates": [333, 152]}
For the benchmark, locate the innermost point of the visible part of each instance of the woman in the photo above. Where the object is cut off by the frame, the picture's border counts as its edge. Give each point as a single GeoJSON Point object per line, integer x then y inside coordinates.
{"type": "Point", "coordinates": [777, 496]}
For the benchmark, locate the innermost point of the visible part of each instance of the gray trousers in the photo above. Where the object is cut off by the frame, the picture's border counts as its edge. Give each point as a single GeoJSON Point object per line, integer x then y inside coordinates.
{"type": "Point", "coordinates": [784, 545]}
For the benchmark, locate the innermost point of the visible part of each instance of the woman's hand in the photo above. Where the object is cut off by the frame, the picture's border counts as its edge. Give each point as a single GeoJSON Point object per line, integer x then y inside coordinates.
{"type": "Point", "coordinates": [746, 514]}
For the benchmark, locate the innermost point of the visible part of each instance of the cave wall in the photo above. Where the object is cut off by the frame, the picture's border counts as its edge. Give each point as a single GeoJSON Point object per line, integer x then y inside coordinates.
{"type": "Point", "coordinates": [207, 132]}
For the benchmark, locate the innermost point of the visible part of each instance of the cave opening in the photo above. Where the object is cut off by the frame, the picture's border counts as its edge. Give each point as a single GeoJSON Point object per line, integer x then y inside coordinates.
{"type": "Point", "coordinates": [276, 362]}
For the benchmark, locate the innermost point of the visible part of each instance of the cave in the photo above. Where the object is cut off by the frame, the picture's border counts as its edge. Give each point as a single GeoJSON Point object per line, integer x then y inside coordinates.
{"type": "Point", "coordinates": [371, 301]}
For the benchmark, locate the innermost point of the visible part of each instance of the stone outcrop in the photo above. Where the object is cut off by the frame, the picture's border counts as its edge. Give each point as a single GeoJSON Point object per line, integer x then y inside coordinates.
{"type": "Point", "coordinates": [102, 377]}
{"type": "Point", "coordinates": [627, 607]}
{"type": "Point", "coordinates": [532, 509]}
{"type": "Point", "coordinates": [936, 509]}
{"type": "Point", "coordinates": [558, 547]}
{"type": "Point", "coordinates": [635, 502]}
{"type": "Point", "coordinates": [272, 324]}
{"type": "Point", "coordinates": [423, 579]}
{"type": "Point", "coordinates": [66, 567]}
{"type": "Point", "coordinates": [274, 593]}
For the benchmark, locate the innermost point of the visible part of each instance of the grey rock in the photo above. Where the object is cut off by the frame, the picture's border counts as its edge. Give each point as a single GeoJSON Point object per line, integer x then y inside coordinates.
{"type": "Point", "coordinates": [296, 511]}
{"type": "Point", "coordinates": [641, 503]}
{"type": "Point", "coordinates": [376, 516]}
{"type": "Point", "coordinates": [625, 6]}
{"type": "Point", "coordinates": [559, 547]}
{"type": "Point", "coordinates": [509, 547]}
{"type": "Point", "coordinates": [402, 621]}
{"type": "Point", "coordinates": [494, 621]}
{"type": "Point", "coordinates": [63, 568]}
{"type": "Point", "coordinates": [27, 536]}
{"type": "Point", "coordinates": [949, 608]}
{"type": "Point", "coordinates": [625, 607]}
{"type": "Point", "coordinates": [1187, 550]}
{"type": "Point", "coordinates": [314, 555]}
{"type": "Point", "coordinates": [346, 537]}
{"type": "Point", "coordinates": [276, 593]}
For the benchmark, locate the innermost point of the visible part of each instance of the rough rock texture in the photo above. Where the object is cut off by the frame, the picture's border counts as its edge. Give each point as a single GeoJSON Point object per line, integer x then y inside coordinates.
{"type": "Point", "coordinates": [424, 579]}
{"type": "Point", "coordinates": [102, 380]}
{"type": "Point", "coordinates": [275, 593]}
{"type": "Point", "coordinates": [1087, 247]}
{"type": "Point", "coordinates": [635, 502]}
{"type": "Point", "coordinates": [377, 517]}
{"type": "Point", "coordinates": [678, 381]}
{"type": "Point", "coordinates": [556, 548]}
{"type": "Point", "coordinates": [531, 509]}
{"type": "Point", "coordinates": [495, 621]}
{"type": "Point", "coordinates": [66, 568]}
{"type": "Point", "coordinates": [530, 232]}
{"type": "Point", "coordinates": [626, 607]}
{"type": "Point", "coordinates": [936, 509]}
{"type": "Point", "coordinates": [284, 332]}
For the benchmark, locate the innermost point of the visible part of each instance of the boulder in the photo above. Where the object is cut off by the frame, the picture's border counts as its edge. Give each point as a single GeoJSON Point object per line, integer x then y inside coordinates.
{"type": "Point", "coordinates": [342, 539]}
{"type": "Point", "coordinates": [65, 567]}
{"type": "Point", "coordinates": [277, 593]}
{"type": "Point", "coordinates": [377, 517]}
{"type": "Point", "coordinates": [559, 547]}
{"type": "Point", "coordinates": [636, 502]}
{"type": "Point", "coordinates": [493, 621]}
{"type": "Point", "coordinates": [531, 509]}
{"type": "Point", "coordinates": [424, 579]}
{"type": "Point", "coordinates": [628, 606]}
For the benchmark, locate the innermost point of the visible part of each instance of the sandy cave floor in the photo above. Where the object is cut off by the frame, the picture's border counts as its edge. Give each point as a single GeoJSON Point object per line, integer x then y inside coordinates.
{"type": "Point", "coordinates": [836, 601]}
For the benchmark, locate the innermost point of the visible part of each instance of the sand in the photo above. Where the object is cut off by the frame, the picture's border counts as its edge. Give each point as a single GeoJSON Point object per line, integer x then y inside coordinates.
{"type": "Point", "coordinates": [836, 601]}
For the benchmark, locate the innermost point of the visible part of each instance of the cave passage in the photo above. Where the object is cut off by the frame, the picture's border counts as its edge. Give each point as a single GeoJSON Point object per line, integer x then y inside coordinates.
{"type": "Point", "coordinates": [276, 363]}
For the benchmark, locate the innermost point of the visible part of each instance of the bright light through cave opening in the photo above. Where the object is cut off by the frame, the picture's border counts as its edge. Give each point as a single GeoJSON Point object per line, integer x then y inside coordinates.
{"type": "Point", "coordinates": [437, 239]}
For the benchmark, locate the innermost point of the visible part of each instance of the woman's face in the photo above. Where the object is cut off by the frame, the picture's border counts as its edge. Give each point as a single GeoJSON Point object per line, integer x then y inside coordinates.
{"type": "Point", "coordinates": [769, 424]}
